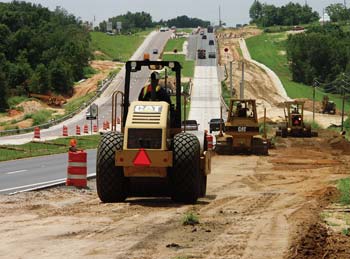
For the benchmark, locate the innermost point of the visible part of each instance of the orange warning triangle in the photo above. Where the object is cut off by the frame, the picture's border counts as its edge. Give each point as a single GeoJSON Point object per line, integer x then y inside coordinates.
{"type": "Point", "coordinates": [142, 159]}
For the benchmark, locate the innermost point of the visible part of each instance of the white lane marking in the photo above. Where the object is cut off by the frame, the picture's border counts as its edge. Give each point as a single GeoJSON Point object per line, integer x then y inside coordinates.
{"type": "Point", "coordinates": [37, 184]}
{"type": "Point", "coordinates": [16, 172]}
{"type": "Point", "coordinates": [31, 185]}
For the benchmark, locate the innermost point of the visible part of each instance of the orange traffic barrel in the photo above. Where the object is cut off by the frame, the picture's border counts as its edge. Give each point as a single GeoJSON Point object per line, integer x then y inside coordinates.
{"type": "Point", "coordinates": [107, 124]}
{"type": "Point", "coordinates": [77, 130]}
{"type": "Point", "coordinates": [118, 120]}
{"type": "Point", "coordinates": [209, 142]}
{"type": "Point", "coordinates": [95, 128]}
{"type": "Point", "coordinates": [86, 129]}
{"type": "Point", "coordinates": [65, 131]}
{"type": "Point", "coordinates": [77, 169]}
{"type": "Point", "coordinates": [36, 132]}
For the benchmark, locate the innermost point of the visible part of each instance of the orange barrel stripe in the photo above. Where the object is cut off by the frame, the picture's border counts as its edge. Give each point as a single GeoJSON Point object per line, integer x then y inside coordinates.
{"type": "Point", "coordinates": [36, 132]}
{"type": "Point", "coordinates": [86, 129]}
{"type": "Point", "coordinates": [77, 169]}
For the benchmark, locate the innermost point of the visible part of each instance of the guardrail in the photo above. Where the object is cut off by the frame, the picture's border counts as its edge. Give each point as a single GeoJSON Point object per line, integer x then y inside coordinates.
{"type": "Point", "coordinates": [105, 84]}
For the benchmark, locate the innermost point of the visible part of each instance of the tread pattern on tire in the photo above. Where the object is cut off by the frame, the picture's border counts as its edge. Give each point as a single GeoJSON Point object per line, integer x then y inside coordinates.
{"type": "Point", "coordinates": [185, 174]}
{"type": "Point", "coordinates": [111, 184]}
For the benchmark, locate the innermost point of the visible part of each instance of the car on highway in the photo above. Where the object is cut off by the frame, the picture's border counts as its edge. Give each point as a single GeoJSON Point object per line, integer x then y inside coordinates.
{"type": "Point", "coordinates": [214, 125]}
{"type": "Point", "coordinates": [201, 53]}
{"type": "Point", "coordinates": [211, 42]}
{"type": "Point", "coordinates": [204, 37]}
{"type": "Point", "coordinates": [189, 125]}
{"type": "Point", "coordinates": [155, 51]}
{"type": "Point", "coordinates": [212, 55]}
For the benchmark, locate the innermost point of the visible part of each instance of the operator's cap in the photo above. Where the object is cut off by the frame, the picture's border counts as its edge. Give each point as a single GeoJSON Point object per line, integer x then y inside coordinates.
{"type": "Point", "coordinates": [155, 76]}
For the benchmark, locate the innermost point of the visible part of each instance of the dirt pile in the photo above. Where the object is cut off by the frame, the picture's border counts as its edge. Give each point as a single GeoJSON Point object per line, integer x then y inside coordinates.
{"type": "Point", "coordinates": [31, 106]}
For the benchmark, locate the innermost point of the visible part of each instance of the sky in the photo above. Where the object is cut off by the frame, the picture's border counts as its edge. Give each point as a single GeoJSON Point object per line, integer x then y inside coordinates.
{"type": "Point", "coordinates": [232, 11]}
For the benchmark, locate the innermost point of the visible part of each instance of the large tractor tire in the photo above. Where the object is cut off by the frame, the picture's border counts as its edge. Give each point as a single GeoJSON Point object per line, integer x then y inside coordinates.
{"type": "Point", "coordinates": [111, 184]}
{"type": "Point", "coordinates": [307, 132]}
{"type": "Point", "coordinates": [284, 132]}
{"type": "Point", "coordinates": [185, 173]}
{"type": "Point", "coordinates": [259, 148]}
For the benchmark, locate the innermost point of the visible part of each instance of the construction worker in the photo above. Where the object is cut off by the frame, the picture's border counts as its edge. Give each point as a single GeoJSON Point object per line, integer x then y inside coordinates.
{"type": "Point", "coordinates": [160, 93]}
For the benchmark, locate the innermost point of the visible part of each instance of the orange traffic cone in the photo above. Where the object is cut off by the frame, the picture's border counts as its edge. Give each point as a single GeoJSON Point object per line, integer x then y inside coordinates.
{"type": "Point", "coordinates": [77, 130]}
{"type": "Point", "coordinates": [37, 132]}
{"type": "Point", "coordinates": [65, 131]}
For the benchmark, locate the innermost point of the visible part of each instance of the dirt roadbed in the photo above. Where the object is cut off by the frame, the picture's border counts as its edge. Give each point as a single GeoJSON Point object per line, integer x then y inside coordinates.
{"type": "Point", "coordinates": [256, 207]}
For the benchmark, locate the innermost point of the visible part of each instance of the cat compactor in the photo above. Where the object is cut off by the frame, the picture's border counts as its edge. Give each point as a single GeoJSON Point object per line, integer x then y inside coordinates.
{"type": "Point", "coordinates": [150, 156]}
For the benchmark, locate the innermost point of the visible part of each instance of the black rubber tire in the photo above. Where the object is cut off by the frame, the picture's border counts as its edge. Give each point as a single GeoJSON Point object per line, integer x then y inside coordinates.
{"type": "Point", "coordinates": [203, 185]}
{"type": "Point", "coordinates": [111, 184]}
{"type": "Point", "coordinates": [308, 133]}
{"type": "Point", "coordinates": [284, 132]}
{"type": "Point", "coordinates": [185, 173]}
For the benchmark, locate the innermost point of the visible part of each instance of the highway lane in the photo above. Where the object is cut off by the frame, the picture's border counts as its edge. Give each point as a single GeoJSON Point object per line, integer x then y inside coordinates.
{"type": "Point", "coordinates": [154, 40]}
{"type": "Point", "coordinates": [24, 174]}
{"type": "Point", "coordinates": [205, 96]}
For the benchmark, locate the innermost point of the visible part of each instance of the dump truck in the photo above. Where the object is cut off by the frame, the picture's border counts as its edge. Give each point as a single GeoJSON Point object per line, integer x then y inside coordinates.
{"type": "Point", "coordinates": [151, 155]}
{"type": "Point", "coordinates": [294, 125]}
{"type": "Point", "coordinates": [328, 106]}
{"type": "Point", "coordinates": [241, 130]}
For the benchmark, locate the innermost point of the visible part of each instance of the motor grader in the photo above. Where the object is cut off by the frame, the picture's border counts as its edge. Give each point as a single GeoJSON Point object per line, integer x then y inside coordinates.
{"type": "Point", "coordinates": [150, 156]}
{"type": "Point", "coordinates": [294, 125]}
{"type": "Point", "coordinates": [241, 130]}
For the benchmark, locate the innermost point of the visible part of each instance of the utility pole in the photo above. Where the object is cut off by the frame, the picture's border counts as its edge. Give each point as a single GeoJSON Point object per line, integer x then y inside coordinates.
{"type": "Point", "coordinates": [241, 94]}
{"type": "Point", "coordinates": [231, 84]}
{"type": "Point", "coordinates": [313, 102]}
{"type": "Point", "coordinates": [220, 16]}
{"type": "Point", "coordinates": [342, 111]}
{"type": "Point", "coordinates": [345, 3]}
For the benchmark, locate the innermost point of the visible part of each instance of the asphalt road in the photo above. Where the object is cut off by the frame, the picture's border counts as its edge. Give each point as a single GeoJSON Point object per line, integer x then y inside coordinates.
{"type": "Point", "coordinates": [205, 96]}
{"type": "Point", "coordinates": [25, 174]}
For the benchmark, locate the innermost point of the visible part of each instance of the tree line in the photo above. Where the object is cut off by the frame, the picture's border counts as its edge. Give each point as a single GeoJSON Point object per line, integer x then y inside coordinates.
{"type": "Point", "coordinates": [288, 15]}
{"type": "Point", "coordinates": [134, 22]}
{"type": "Point", "coordinates": [40, 51]}
{"type": "Point", "coordinates": [338, 12]}
{"type": "Point", "coordinates": [321, 54]}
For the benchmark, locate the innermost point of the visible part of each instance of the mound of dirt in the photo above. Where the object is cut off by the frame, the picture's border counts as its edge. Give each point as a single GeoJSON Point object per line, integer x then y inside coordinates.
{"type": "Point", "coordinates": [340, 143]}
{"type": "Point", "coordinates": [31, 106]}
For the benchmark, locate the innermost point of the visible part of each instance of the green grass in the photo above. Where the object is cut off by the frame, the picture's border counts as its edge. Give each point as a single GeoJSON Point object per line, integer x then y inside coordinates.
{"type": "Point", "coordinates": [225, 93]}
{"type": "Point", "coordinates": [15, 100]}
{"type": "Point", "coordinates": [187, 65]}
{"type": "Point", "coordinates": [267, 48]}
{"type": "Point", "coordinates": [188, 106]}
{"type": "Point", "coordinates": [57, 146]}
{"type": "Point", "coordinates": [190, 219]}
{"type": "Point", "coordinates": [118, 47]}
{"type": "Point", "coordinates": [344, 188]}
{"type": "Point", "coordinates": [89, 72]}
{"type": "Point", "coordinates": [76, 103]}
{"type": "Point", "coordinates": [41, 117]}
{"type": "Point", "coordinates": [174, 44]}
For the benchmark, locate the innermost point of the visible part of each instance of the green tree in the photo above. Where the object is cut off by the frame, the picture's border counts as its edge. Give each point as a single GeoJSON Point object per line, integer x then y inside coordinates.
{"type": "Point", "coordinates": [255, 11]}
{"type": "Point", "coordinates": [39, 82]}
{"type": "Point", "coordinates": [60, 77]}
{"type": "Point", "coordinates": [338, 12]}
